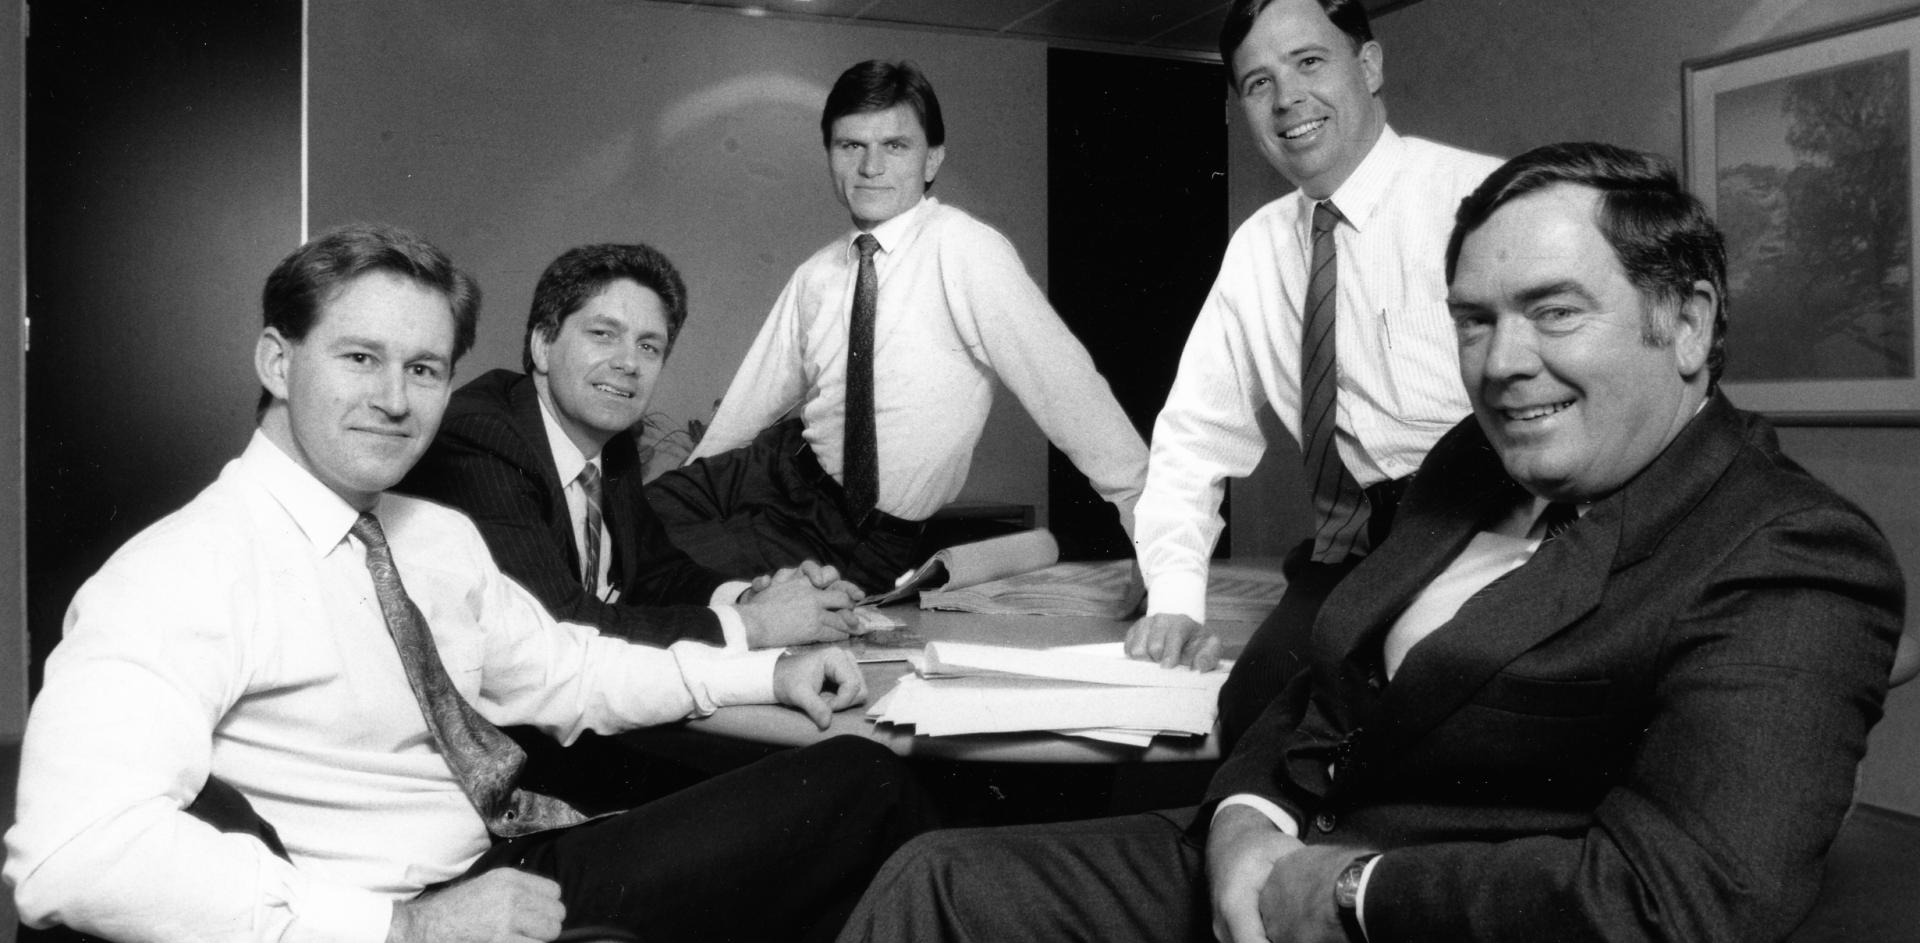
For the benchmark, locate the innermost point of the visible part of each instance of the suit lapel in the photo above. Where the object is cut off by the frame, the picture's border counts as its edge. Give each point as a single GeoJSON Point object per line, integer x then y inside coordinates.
{"type": "Point", "coordinates": [524, 401]}
{"type": "Point", "coordinates": [1563, 582]}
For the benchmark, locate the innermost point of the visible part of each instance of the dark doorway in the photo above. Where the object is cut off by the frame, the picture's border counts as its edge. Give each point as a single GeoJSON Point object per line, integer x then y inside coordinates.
{"type": "Point", "coordinates": [1137, 220]}
{"type": "Point", "coordinates": [163, 182]}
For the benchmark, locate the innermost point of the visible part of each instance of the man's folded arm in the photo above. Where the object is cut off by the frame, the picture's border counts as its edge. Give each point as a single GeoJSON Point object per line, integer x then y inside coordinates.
{"type": "Point", "coordinates": [1737, 786]}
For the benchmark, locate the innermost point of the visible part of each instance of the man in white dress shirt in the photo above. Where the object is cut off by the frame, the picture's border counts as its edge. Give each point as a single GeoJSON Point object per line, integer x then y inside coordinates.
{"type": "Point", "coordinates": [890, 405]}
{"type": "Point", "coordinates": [270, 716]}
{"type": "Point", "coordinates": [1307, 74]}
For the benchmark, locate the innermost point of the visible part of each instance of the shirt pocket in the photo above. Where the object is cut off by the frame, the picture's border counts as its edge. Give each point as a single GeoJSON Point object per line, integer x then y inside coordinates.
{"type": "Point", "coordinates": [1420, 365]}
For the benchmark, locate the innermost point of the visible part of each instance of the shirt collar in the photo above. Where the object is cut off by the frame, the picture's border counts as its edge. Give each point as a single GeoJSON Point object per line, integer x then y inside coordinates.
{"type": "Point", "coordinates": [1366, 188]}
{"type": "Point", "coordinates": [893, 233]}
{"type": "Point", "coordinates": [567, 460]}
{"type": "Point", "coordinates": [319, 513]}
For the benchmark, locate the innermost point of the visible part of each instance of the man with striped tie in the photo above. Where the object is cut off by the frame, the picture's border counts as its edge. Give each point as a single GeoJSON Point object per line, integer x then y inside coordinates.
{"type": "Point", "coordinates": [1330, 308]}
{"type": "Point", "coordinates": [545, 463]}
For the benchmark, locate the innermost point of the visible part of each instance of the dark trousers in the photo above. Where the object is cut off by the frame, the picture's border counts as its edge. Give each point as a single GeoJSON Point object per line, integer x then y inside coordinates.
{"type": "Point", "coordinates": [1117, 880]}
{"type": "Point", "coordinates": [1279, 648]}
{"type": "Point", "coordinates": [776, 850]}
{"type": "Point", "coordinates": [769, 504]}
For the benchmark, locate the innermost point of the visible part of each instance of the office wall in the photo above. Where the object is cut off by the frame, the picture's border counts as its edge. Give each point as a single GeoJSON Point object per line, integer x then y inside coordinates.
{"type": "Point", "coordinates": [514, 130]}
{"type": "Point", "coordinates": [1502, 76]}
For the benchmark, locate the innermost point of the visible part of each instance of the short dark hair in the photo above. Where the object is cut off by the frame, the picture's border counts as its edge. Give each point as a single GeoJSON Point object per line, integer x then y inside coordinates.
{"type": "Point", "coordinates": [582, 272]}
{"type": "Point", "coordinates": [877, 85]}
{"type": "Point", "coordinates": [1661, 234]}
{"type": "Point", "coordinates": [312, 275]}
{"type": "Point", "coordinates": [1349, 16]}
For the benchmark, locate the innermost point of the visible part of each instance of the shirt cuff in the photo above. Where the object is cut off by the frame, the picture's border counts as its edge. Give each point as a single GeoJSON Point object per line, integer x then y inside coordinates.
{"type": "Point", "coordinates": [1181, 594]}
{"type": "Point", "coordinates": [729, 592]}
{"type": "Point", "coordinates": [1279, 816]}
{"type": "Point", "coordinates": [1360, 895]}
{"type": "Point", "coordinates": [733, 627]}
{"type": "Point", "coordinates": [718, 678]}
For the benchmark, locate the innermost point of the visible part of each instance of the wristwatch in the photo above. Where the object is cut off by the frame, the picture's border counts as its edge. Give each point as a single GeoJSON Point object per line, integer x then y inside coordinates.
{"type": "Point", "coordinates": [1346, 895]}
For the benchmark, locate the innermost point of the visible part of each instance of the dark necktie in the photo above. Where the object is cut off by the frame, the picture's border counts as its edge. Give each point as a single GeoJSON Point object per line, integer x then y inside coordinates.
{"type": "Point", "coordinates": [484, 760]}
{"type": "Point", "coordinates": [1557, 517]}
{"type": "Point", "coordinates": [590, 554]}
{"type": "Point", "coordinates": [1340, 506]}
{"type": "Point", "coordinates": [860, 452]}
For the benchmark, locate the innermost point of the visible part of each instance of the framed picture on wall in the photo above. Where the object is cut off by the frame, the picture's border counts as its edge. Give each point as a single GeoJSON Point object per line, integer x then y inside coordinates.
{"type": "Point", "coordinates": [1803, 148]}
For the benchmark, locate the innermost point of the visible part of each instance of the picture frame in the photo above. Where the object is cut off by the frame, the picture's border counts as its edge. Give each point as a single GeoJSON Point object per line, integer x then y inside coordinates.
{"type": "Point", "coordinates": [1803, 149]}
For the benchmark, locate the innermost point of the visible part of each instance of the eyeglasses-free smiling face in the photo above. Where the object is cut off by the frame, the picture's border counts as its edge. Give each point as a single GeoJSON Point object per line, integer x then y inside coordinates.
{"type": "Point", "coordinates": [881, 163]}
{"type": "Point", "coordinates": [360, 397]}
{"type": "Point", "coordinates": [1578, 377]}
{"type": "Point", "coordinates": [598, 371]}
{"type": "Point", "coordinates": [1308, 95]}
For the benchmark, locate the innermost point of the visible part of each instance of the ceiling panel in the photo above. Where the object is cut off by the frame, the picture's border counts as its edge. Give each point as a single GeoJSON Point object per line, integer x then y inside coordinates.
{"type": "Point", "coordinates": [1187, 27]}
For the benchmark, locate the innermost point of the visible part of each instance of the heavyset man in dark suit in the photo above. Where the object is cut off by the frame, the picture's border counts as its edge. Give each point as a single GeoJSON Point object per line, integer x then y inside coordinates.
{"type": "Point", "coordinates": [1644, 728]}
{"type": "Point", "coordinates": [603, 320]}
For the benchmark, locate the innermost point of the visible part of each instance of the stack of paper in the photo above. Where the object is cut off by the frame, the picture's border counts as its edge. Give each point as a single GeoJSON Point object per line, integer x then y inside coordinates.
{"type": "Point", "coordinates": [1088, 691]}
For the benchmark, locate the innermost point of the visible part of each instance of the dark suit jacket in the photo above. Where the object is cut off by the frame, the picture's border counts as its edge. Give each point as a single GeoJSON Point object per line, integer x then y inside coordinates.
{"type": "Point", "coordinates": [491, 460]}
{"type": "Point", "coordinates": [1647, 732]}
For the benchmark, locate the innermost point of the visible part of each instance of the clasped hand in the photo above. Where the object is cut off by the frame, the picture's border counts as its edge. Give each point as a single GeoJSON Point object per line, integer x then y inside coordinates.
{"type": "Point", "coordinates": [1268, 885]}
{"type": "Point", "coordinates": [799, 604]}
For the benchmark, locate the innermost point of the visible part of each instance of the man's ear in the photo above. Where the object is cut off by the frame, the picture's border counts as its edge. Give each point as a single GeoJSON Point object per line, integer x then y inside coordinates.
{"type": "Point", "coordinates": [1693, 328]}
{"type": "Point", "coordinates": [934, 156]}
{"type": "Point", "coordinates": [537, 344]}
{"type": "Point", "coordinates": [270, 357]}
{"type": "Point", "coordinates": [1373, 63]}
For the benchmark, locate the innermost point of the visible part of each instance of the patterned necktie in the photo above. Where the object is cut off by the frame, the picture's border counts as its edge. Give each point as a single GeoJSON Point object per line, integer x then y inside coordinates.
{"type": "Point", "coordinates": [860, 452]}
{"type": "Point", "coordinates": [590, 554]}
{"type": "Point", "coordinates": [484, 760]}
{"type": "Point", "coordinates": [1340, 506]}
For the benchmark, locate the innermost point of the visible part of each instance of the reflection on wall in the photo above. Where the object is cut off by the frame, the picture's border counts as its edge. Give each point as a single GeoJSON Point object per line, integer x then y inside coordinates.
{"type": "Point", "coordinates": [517, 130]}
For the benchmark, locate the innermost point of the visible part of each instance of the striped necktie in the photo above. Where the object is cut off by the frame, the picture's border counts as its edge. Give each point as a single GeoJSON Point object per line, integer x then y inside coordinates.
{"type": "Point", "coordinates": [1340, 506]}
{"type": "Point", "coordinates": [485, 761]}
{"type": "Point", "coordinates": [590, 554]}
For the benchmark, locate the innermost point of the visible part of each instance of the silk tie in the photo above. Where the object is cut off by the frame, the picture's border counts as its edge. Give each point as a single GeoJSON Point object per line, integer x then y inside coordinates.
{"type": "Point", "coordinates": [485, 761]}
{"type": "Point", "coordinates": [860, 451]}
{"type": "Point", "coordinates": [1340, 506]}
{"type": "Point", "coordinates": [590, 554]}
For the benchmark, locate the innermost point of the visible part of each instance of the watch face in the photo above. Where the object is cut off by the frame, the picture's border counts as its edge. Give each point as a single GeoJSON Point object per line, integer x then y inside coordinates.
{"type": "Point", "coordinates": [1346, 887]}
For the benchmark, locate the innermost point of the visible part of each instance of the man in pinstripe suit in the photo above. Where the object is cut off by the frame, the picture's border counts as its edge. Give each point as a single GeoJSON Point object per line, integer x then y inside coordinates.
{"type": "Point", "coordinates": [545, 463]}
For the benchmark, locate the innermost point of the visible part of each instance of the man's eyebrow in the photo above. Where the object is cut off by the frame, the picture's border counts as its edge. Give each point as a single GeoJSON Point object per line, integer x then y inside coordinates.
{"type": "Point", "coordinates": [1538, 293]}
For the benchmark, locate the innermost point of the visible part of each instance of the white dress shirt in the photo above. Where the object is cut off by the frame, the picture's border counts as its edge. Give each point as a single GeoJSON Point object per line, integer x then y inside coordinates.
{"type": "Point", "coordinates": [241, 636]}
{"type": "Point", "coordinates": [1399, 374]}
{"type": "Point", "coordinates": [568, 461]}
{"type": "Point", "coordinates": [956, 309]}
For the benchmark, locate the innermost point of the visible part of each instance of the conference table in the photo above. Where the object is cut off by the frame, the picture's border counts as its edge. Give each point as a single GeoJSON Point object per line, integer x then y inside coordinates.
{"type": "Point", "coordinates": [777, 726]}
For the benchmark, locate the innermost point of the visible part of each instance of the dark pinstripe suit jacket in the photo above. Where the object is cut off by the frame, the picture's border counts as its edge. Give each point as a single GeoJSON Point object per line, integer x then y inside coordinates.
{"type": "Point", "coordinates": [1647, 732]}
{"type": "Point", "coordinates": [491, 460]}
